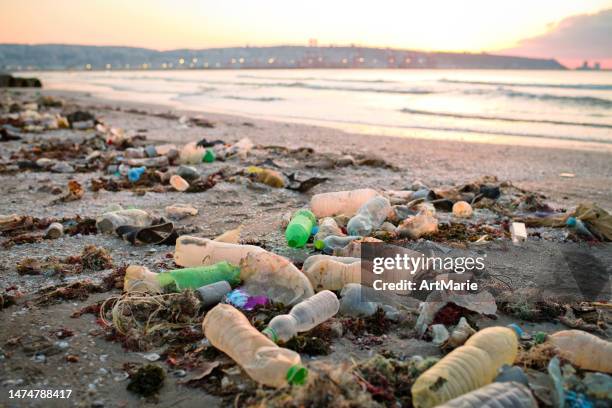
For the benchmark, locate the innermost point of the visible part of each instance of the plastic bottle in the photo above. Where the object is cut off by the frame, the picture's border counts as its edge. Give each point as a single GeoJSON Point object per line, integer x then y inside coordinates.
{"type": "Point", "coordinates": [417, 226]}
{"type": "Point", "coordinates": [577, 225]}
{"type": "Point", "coordinates": [466, 368]}
{"type": "Point", "coordinates": [191, 153]}
{"type": "Point", "coordinates": [231, 236]}
{"type": "Point", "coordinates": [340, 202]}
{"type": "Point", "coordinates": [139, 278]}
{"type": "Point", "coordinates": [269, 274]}
{"type": "Point", "coordinates": [54, 231]}
{"type": "Point", "coordinates": [584, 350]}
{"type": "Point", "coordinates": [352, 302]}
{"type": "Point", "coordinates": [195, 251]}
{"type": "Point", "coordinates": [266, 176]}
{"type": "Point", "coordinates": [109, 221]}
{"type": "Point", "coordinates": [299, 228]}
{"type": "Point", "coordinates": [179, 183]}
{"type": "Point", "coordinates": [213, 293]}
{"type": "Point", "coordinates": [159, 161]}
{"type": "Point", "coordinates": [304, 316]}
{"type": "Point", "coordinates": [462, 209]}
{"type": "Point", "coordinates": [331, 272]}
{"type": "Point", "coordinates": [369, 217]}
{"type": "Point", "coordinates": [327, 227]}
{"type": "Point", "coordinates": [496, 395]}
{"type": "Point", "coordinates": [331, 243]}
{"type": "Point", "coordinates": [229, 330]}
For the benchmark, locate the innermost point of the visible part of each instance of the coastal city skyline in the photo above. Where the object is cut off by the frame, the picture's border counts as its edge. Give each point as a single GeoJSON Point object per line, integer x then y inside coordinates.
{"type": "Point", "coordinates": [571, 32]}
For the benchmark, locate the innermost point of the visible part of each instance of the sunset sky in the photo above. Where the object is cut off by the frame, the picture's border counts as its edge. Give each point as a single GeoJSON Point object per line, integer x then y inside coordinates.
{"type": "Point", "coordinates": [543, 28]}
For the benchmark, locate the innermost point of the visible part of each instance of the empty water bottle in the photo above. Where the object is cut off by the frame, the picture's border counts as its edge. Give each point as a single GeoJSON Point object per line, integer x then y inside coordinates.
{"type": "Point", "coordinates": [327, 226]}
{"type": "Point", "coordinates": [299, 229]}
{"type": "Point", "coordinates": [140, 278]}
{"type": "Point", "coordinates": [369, 217]}
{"type": "Point", "coordinates": [340, 202]}
{"type": "Point", "coordinates": [496, 395]}
{"type": "Point", "coordinates": [331, 272]}
{"type": "Point", "coordinates": [109, 221]}
{"type": "Point", "coordinates": [230, 331]}
{"type": "Point", "coordinates": [332, 243]}
{"type": "Point", "coordinates": [194, 251]}
{"type": "Point", "coordinates": [303, 317]}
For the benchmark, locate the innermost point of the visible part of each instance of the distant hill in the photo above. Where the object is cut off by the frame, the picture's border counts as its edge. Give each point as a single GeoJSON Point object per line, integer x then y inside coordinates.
{"type": "Point", "coordinates": [56, 56]}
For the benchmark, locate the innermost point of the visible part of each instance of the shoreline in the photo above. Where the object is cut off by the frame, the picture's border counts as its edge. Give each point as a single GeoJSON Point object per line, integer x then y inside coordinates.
{"type": "Point", "coordinates": [433, 161]}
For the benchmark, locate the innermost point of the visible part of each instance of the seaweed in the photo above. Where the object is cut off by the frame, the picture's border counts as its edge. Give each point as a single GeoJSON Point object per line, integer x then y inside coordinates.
{"type": "Point", "coordinates": [148, 380]}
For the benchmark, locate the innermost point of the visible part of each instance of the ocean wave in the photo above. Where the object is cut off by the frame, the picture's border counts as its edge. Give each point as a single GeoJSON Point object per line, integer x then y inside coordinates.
{"type": "Point", "coordinates": [356, 81]}
{"type": "Point", "coordinates": [303, 85]}
{"type": "Point", "coordinates": [256, 99]}
{"type": "Point", "coordinates": [576, 100]}
{"type": "Point", "coordinates": [592, 87]}
{"type": "Point", "coordinates": [504, 118]}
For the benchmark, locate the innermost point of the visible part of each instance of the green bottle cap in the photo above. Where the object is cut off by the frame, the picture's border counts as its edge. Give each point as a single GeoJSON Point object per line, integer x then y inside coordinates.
{"type": "Point", "coordinates": [297, 374]}
{"type": "Point", "coordinates": [209, 156]}
{"type": "Point", "coordinates": [319, 244]}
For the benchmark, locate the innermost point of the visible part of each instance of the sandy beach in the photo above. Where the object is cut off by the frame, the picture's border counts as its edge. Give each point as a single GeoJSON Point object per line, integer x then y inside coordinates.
{"type": "Point", "coordinates": [389, 163]}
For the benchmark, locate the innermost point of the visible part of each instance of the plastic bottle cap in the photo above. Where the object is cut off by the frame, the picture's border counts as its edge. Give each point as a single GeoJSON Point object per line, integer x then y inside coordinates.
{"type": "Point", "coordinates": [319, 244]}
{"type": "Point", "coordinates": [517, 330]}
{"type": "Point", "coordinates": [297, 374]}
{"type": "Point", "coordinates": [271, 333]}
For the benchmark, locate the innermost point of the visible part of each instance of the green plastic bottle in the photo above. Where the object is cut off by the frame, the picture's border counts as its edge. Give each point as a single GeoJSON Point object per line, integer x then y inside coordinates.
{"type": "Point", "coordinates": [209, 156]}
{"type": "Point", "coordinates": [299, 229]}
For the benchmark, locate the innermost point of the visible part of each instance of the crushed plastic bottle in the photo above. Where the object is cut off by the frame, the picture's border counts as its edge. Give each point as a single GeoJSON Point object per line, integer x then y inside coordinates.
{"type": "Point", "coordinates": [340, 202]}
{"type": "Point", "coordinates": [466, 368]}
{"type": "Point", "coordinates": [213, 293]}
{"type": "Point", "coordinates": [269, 274]}
{"type": "Point", "coordinates": [327, 227]}
{"type": "Point", "coordinates": [299, 229]}
{"type": "Point", "coordinates": [331, 272]}
{"type": "Point", "coordinates": [109, 221]}
{"type": "Point", "coordinates": [496, 395]}
{"type": "Point", "coordinates": [353, 302]}
{"type": "Point", "coordinates": [230, 331]}
{"type": "Point", "coordinates": [141, 279]}
{"type": "Point", "coordinates": [332, 243]}
{"type": "Point", "coordinates": [417, 226]}
{"type": "Point", "coordinates": [304, 316]}
{"type": "Point", "coordinates": [195, 251]}
{"type": "Point", "coordinates": [584, 350]}
{"type": "Point", "coordinates": [369, 217]}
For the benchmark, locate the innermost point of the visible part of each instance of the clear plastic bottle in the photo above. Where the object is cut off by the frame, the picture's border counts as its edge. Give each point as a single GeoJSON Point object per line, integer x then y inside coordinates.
{"type": "Point", "coordinates": [141, 279]}
{"type": "Point", "coordinates": [109, 221]}
{"type": "Point", "coordinates": [332, 243]}
{"type": "Point", "coordinates": [417, 226]}
{"type": "Point", "coordinates": [584, 350]}
{"type": "Point", "coordinates": [352, 302]}
{"type": "Point", "coordinates": [327, 226]}
{"type": "Point", "coordinates": [466, 368]}
{"type": "Point", "coordinates": [304, 316]}
{"type": "Point", "coordinates": [340, 202]}
{"type": "Point", "coordinates": [229, 330]}
{"type": "Point", "coordinates": [269, 274]}
{"type": "Point", "coordinates": [194, 251]}
{"type": "Point", "coordinates": [191, 153]}
{"type": "Point", "coordinates": [369, 217]}
{"type": "Point", "coordinates": [331, 272]}
{"type": "Point", "coordinates": [496, 395]}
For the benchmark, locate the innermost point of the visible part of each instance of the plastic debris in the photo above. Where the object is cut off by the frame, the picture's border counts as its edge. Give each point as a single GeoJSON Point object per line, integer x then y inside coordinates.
{"type": "Point", "coordinates": [331, 272]}
{"type": "Point", "coordinates": [584, 350]}
{"type": "Point", "coordinates": [230, 331]}
{"type": "Point", "coordinates": [496, 395]}
{"type": "Point", "coordinates": [299, 229]}
{"type": "Point", "coordinates": [303, 317]}
{"type": "Point", "coordinates": [466, 368]}
{"type": "Point", "coordinates": [340, 202]}
{"type": "Point", "coordinates": [461, 209]}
